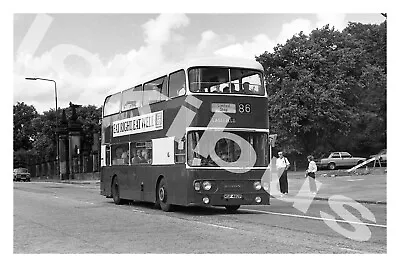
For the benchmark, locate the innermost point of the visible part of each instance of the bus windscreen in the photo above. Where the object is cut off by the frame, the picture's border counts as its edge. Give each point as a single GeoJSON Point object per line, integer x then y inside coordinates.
{"type": "Point", "coordinates": [225, 81]}
{"type": "Point", "coordinates": [228, 150]}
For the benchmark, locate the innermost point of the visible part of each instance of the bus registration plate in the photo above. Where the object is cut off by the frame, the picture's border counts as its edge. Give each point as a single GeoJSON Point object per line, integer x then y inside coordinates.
{"type": "Point", "coordinates": [223, 107]}
{"type": "Point", "coordinates": [228, 196]}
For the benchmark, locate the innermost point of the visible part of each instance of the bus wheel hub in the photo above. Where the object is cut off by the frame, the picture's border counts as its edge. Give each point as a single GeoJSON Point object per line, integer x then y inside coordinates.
{"type": "Point", "coordinates": [161, 194]}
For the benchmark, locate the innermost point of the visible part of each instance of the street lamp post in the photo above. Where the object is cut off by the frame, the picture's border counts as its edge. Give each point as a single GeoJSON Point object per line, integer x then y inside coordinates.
{"type": "Point", "coordinates": [55, 93]}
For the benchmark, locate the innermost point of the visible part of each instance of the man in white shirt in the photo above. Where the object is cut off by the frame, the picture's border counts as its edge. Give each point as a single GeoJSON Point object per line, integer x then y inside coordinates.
{"type": "Point", "coordinates": [282, 164]}
{"type": "Point", "coordinates": [310, 173]}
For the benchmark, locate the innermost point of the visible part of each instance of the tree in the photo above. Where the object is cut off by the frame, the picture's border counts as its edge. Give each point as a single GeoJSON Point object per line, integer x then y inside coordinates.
{"type": "Point", "coordinates": [326, 88]}
{"type": "Point", "coordinates": [35, 134]}
{"type": "Point", "coordinates": [45, 141]}
{"type": "Point", "coordinates": [23, 133]}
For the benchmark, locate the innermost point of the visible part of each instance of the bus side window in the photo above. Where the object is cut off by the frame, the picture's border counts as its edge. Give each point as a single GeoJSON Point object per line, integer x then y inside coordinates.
{"type": "Point", "coordinates": [108, 155]}
{"type": "Point", "coordinates": [119, 154]}
{"type": "Point", "coordinates": [177, 84]}
{"type": "Point", "coordinates": [164, 90]}
{"type": "Point", "coordinates": [138, 96]}
{"type": "Point", "coordinates": [152, 90]}
{"type": "Point", "coordinates": [148, 156]}
{"type": "Point", "coordinates": [141, 153]}
{"type": "Point", "coordinates": [112, 104]}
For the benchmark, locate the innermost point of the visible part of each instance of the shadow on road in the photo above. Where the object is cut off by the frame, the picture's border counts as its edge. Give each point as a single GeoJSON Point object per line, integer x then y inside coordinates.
{"type": "Point", "coordinates": [192, 210]}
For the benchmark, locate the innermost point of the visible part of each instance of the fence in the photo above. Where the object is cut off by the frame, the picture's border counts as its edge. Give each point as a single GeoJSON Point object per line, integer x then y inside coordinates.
{"type": "Point", "coordinates": [80, 164]}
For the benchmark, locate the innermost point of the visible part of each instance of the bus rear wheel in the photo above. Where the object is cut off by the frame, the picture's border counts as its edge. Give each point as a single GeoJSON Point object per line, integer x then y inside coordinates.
{"type": "Point", "coordinates": [115, 192]}
{"type": "Point", "coordinates": [232, 208]}
{"type": "Point", "coordinates": [162, 196]}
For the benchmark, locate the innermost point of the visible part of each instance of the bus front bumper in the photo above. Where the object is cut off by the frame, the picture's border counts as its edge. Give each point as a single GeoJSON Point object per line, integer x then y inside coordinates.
{"type": "Point", "coordinates": [227, 199]}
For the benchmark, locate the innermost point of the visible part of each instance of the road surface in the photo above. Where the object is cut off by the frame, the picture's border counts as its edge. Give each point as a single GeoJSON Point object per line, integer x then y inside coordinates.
{"type": "Point", "coordinates": [72, 218]}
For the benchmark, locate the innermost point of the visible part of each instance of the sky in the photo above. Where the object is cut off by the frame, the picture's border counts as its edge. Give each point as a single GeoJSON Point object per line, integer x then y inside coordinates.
{"type": "Point", "coordinates": [93, 55]}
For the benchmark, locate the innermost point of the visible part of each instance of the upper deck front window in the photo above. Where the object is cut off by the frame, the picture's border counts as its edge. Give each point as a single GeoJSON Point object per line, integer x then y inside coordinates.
{"type": "Point", "coordinates": [226, 81]}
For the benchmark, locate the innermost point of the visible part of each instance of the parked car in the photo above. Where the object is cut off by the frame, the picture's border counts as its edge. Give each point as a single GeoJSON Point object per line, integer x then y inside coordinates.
{"type": "Point", "coordinates": [21, 174]}
{"type": "Point", "coordinates": [381, 156]}
{"type": "Point", "coordinates": [339, 159]}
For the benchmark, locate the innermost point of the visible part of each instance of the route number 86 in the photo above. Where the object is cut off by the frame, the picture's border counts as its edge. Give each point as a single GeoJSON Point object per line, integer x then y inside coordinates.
{"type": "Point", "coordinates": [244, 108]}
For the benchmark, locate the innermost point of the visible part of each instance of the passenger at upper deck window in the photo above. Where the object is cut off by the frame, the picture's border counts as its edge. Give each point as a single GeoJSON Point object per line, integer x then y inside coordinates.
{"type": "Point", "coordinates": [246, 88]}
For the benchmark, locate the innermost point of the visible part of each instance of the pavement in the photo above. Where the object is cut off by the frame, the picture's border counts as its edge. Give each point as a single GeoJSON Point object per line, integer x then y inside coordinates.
{"type": "Point", "coordinates": [364, 186]}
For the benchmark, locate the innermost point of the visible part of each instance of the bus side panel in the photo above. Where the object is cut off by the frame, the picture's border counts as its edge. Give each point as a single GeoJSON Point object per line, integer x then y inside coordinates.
{"type": "Point", "coordinates": [125, 175]}
{"type": "Point", "coordinates": [175, 176]}
{"type": "Point", "coordinates": [177, 180]}
{"type": "Point", "coordinates": [129, 188]}
{"type": "Point", "coordinates": [145, 183]}
{"type": "Point", "coordinates": [105, 181]}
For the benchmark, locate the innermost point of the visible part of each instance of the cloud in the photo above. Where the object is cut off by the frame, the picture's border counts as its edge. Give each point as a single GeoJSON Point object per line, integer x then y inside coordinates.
{"type": "Point", "coordinates": [158, 31]}
{"type": "Point", "coordinates": [206, 39]}
{"type": "Point", "coordinates": [261, 42]}
{"type": "Point", "coordinates": [256, 46]}
{"type": "Point", "coordinates": [84, 78]}
{"type": "Point", "coordinates": [293, 28]}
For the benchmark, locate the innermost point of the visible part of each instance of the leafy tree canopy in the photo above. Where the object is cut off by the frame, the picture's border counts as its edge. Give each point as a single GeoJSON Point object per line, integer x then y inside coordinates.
{"type": "Point", "coordinates": [327, 90]}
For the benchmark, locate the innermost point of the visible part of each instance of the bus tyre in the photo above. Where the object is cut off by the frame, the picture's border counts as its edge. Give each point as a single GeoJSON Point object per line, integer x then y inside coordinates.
{"type": "Point", "coordinates": [331, 166]}
{"type": "Point", "coordinates": [162, 196]}
{"type": "Point", "coordinates": [115, 192]}
{"type": "Point", "coordinates": [232, 208]}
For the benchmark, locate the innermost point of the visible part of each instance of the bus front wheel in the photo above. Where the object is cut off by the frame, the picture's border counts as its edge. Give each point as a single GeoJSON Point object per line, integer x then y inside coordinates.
{"type": "Point", "coordinates": [162, 196]}
{"type": "Point", "coordinates": [232, 208]}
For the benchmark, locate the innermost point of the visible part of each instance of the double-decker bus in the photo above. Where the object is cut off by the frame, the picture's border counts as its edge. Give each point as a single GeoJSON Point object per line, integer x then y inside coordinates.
{"type": "Point", "coordinates": [194, 135]}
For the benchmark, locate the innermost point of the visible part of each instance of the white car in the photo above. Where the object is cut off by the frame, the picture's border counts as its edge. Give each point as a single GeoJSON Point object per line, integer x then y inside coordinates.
{"type": "Point", "coordinates": [339, 159]}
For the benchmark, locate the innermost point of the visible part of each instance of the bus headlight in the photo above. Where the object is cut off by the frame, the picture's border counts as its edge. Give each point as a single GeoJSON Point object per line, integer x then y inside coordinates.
{"type": "Point", "coordinates": [206, 200]}
{"type": "Point", "coordinates": [197, 186]}
{"type": "Point", "coordinates": [206, 185]}
{"type": "Point", "coordinates": [258, 199]}
{"type": "Point", "coordinates": [257, 185]}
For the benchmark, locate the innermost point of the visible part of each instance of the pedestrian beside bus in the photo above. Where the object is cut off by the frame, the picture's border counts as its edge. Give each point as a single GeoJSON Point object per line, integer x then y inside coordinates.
{"type": "Point", "coordinates": [283, 164]}
{"type": "Point", "coordinates": [310, 173]}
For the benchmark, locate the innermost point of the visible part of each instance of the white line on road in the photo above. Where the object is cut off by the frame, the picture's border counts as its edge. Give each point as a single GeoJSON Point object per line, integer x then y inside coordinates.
{"type": "Point", "coordinates": [354, 250]}
{"type": "Point", "coordinates": [135, 210]}
{"type": "Point", "coordinates": [314, 218]}
{"type": "Point", "coordinates": [215, 225]}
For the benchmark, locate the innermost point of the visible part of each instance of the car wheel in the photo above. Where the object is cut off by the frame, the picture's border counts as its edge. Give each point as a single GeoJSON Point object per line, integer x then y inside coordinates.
{"type": "Point", "coordinates": [115, 192]}
{"type": "Point", "coordinates": [162, 196]}
{"type": "Point", "coordinates": [232, 208]}
{"type": "Point", "coordinates": [331, 166]}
